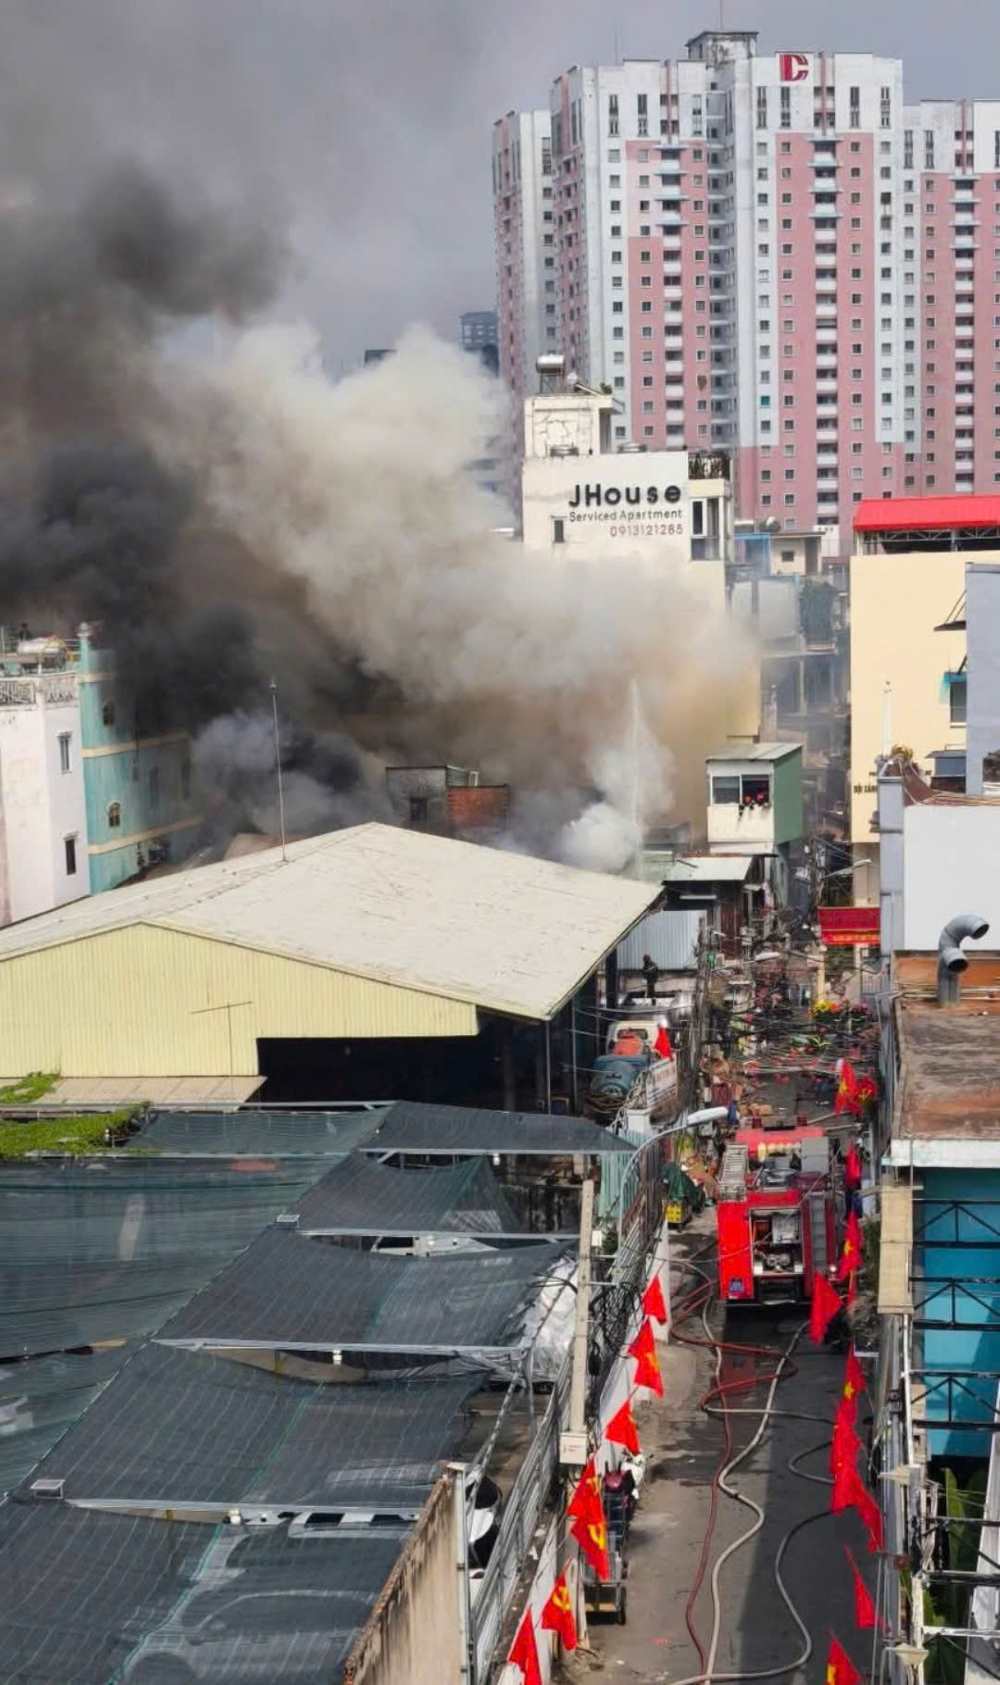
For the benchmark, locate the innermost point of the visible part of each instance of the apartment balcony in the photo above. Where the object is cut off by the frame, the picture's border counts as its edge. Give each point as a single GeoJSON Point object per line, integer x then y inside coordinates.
{"type": "Point", "coordinates": [826, 334]}
{"type": "Point", "coordinates": [826, 385]}
{"type": "Point", "coordinates": [826, 311]}
{"type": "Point", "coordinates": [673, 294]}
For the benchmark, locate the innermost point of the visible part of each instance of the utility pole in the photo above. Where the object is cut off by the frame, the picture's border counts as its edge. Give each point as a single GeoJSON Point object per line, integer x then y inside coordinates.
{"type": "Point", "coordinates": [277, 767]}
{"type": "Point", "coordinates": [573, 1442]}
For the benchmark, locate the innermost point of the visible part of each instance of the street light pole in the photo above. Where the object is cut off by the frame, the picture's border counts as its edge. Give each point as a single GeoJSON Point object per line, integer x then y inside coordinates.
{"type": "Point", "coordinates": [277, 767]}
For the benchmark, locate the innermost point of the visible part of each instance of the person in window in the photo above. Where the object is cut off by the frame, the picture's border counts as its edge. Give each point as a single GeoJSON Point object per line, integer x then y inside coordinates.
{"type": "Point", "coordinates": [651, 974]}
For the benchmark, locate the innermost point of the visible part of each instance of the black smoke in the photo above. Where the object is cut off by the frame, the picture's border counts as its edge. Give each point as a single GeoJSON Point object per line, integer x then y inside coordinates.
{"type": "Point", "coordinates": [99, 524]}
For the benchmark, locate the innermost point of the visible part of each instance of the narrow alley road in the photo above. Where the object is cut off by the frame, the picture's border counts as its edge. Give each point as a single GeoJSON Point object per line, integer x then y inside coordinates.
{"type": "Point", "coordinates": [784, 1474]}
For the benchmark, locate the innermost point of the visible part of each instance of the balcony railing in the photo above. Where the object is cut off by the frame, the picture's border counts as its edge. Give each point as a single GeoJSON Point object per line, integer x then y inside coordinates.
{"type": "Point", "coordinates": [44, 689]}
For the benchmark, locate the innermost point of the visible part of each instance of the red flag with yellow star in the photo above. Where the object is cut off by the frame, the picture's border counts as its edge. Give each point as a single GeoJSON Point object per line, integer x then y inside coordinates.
{"type": "Point", "coordinates": [850, 1256]}
{"type": "Point", "coordinates": [864, 1603]}
{"type": "Point", "coordinates": [845, 1444]}
{"type": "Point", "coordinates": [854, 1382]}
{"type": "Point", "coordinates": [653, 1302]}
{"type": "Point", "coordinates": [847, 1088]}
{"type": "Point", "coordinates": [840, 1670]}
{"type": "Point", "coordinates": [824, 1307]}
{"type": "Point", "coordinates": [557, 1616]}
{"type": "Point", "coordinates": [621, 1430]}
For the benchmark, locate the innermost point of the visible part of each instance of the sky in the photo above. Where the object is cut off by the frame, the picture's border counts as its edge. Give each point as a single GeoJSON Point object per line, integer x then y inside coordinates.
{"type": "Point", "coordinates": [360, 130]}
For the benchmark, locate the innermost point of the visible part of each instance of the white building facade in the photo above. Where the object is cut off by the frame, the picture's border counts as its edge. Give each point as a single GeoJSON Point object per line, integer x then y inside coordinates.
{"type": "Point", "coordinates": [524, 235]}
{"type": "Point", "coordinates": [43, 836]}
{"type": "Point", "coordinates": [773, 254]}
{"type": "Point", "coordinates": [582, 498]}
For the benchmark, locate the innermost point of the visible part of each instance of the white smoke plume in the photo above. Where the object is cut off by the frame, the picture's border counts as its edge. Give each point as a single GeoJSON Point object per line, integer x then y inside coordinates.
{"type": "Point", "coordinates": [528, 667]}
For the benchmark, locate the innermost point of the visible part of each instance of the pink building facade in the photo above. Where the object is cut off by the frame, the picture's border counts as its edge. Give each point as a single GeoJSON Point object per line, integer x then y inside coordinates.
{"type": "Point", "coordinates": [773, 255]}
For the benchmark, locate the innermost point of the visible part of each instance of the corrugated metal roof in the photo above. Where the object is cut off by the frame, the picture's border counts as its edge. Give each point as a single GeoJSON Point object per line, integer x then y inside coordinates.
{"type": "Point", "coordinates": [671, 939]}
{"type": "Point", "coordinates": [755, 752]}
{"type": "Point", "coordinates": [908, 514]}
{"type": "Point", "coordinates": [481, 925]}
{"type": "Point", "coordinates": [709, 868]}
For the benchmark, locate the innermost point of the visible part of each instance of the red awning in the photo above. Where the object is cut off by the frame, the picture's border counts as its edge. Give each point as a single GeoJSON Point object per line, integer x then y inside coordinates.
{"type": "Point", "coordinates": [910, 514]}
{"type": "Point", "coordinates": [846, 927]}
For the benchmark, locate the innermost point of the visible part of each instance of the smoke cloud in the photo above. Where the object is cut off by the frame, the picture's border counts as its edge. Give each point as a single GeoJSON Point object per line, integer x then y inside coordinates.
{"type": "Point", "coordinates": [179, 468]}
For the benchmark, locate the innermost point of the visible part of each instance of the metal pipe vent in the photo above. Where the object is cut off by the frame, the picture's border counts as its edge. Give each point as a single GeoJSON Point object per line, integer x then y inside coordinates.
{"type": "Point", "coordinates": [952, 961]}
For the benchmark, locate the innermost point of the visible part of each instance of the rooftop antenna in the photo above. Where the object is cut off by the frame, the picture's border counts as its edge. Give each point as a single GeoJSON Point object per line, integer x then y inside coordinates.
{"type": "Point", "coordinates": [887, 718]}
{"type": "Point", "coordinates": [277, 768]}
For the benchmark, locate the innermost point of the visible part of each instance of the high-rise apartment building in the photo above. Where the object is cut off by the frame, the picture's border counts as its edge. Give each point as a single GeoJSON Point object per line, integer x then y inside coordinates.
{"type": "Point", "coordinates": [771, 254]}
{"type": "Point", "coordinates": [526, 247]}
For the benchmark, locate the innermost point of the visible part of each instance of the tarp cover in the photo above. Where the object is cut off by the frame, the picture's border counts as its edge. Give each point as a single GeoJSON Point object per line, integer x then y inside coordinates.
{"type": "Point", "coordinates": [412, 1127]}
{"type": "Point", "coordinates": [93, 1251]}
{"type": "Point", "coordinates": [277, 1134]}
{"type": "Point", "coordinates": [178, 1426]}
{"type": "Point", "coordinates": [285, 1287]}
{"type": "Point", "coordinates": [90, 1598]}
{"type": "Point", "coordinates": [40, 1397]}
{"type": "Point", "coordinates": [361, 1193]}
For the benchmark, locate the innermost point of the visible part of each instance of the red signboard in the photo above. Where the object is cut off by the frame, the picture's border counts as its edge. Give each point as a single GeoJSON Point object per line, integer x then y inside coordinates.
{"type": "Point", "coordinates": [847, 927]}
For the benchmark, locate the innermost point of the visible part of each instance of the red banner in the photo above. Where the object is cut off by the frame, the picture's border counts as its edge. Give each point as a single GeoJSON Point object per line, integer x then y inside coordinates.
{"type": "Point", "coordinates": [847, 927]}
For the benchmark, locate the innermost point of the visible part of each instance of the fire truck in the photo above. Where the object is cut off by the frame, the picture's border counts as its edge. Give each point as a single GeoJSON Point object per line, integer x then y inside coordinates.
{"type": "Point", "coordinates": [776, 1215]}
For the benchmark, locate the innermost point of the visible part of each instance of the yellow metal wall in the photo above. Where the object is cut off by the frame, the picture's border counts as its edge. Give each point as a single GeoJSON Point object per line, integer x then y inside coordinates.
{"type": "Point", "coordinates": [896, 602]}
{"type": "Point", "coordinates": [130, 1003]}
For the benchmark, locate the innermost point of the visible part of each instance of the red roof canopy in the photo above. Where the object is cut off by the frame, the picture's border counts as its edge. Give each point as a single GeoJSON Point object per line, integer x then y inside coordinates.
{"type": "Point", "coordinates": [907, 514]}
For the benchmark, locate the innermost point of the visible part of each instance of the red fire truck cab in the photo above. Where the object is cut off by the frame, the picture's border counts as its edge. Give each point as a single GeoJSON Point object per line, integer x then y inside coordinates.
{"type": "Point", "coordinates": [776, 1216]}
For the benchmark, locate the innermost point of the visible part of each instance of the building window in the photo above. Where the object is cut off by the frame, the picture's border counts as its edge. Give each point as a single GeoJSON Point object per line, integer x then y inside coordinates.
{"type": "Point", "coordinates": [114, 815]}
{"type": "Point", "coordinates": [64, 743]}
{"type": "Point", "coordinates": [957, 698]}
{"type": "Point", "coordinates": [886, 108]}
{"type": "Point", "coordinates": [726, 792]}
{"type": "Point", "coordinates": [762, 108]}
{"type": "Point", "coordinates": [786, 108]}
{"type": "Point", "coordinates": [907, 149]}
{"type": "Point", "coordinates": [928, 149]}
{"type": "Point", "coordinates": [855, 108]}
{"type": "Point", "coordinates": [612, 114]}
{"type": "Point", "coordinates": [108, 711]}
{"type": "Point", "coordinates": [69, 848]}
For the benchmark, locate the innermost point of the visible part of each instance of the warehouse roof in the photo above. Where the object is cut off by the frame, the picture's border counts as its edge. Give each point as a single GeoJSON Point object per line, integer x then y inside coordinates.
{"type": "Point", "coordinates": [755, 751]}
{"type": "Point", "coordinates": [481, 925]}
{"type": "Point", "coordinates": [708, 868]}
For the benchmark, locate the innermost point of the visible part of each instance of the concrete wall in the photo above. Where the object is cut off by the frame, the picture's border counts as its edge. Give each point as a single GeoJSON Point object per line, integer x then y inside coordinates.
{"type": "Point", "coordinates": [133, 1002]}
{"type": "Point", "coordinates": [951, 864]}
{"type": "Point", "coordinates": [896, 602]}
{"type": "Point", "coordinates": [40, 806]}
{"type": "Point", "coordinates": [788, 798]}
{"type": "Point", "coordinates": [982, 614]}
{"type": "Point", "coordinates": [143, 780]}
{"type": "Point", "coordinates": [413, 1636]}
